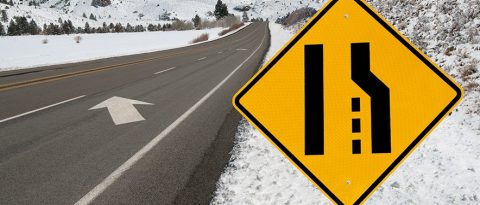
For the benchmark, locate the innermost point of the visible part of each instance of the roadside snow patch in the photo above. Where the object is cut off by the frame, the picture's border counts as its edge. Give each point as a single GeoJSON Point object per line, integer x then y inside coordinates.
{"type": "Point", "coordinates": [18, 52]}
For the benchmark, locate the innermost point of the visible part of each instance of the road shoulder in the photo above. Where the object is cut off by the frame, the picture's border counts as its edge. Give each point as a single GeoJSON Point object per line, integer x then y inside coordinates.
{"type": "Point", "coordinates": [202, 183]}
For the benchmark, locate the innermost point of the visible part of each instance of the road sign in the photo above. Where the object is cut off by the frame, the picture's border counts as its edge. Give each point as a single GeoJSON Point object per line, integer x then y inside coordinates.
{"type": "Point", "coordinates": [347, 99]}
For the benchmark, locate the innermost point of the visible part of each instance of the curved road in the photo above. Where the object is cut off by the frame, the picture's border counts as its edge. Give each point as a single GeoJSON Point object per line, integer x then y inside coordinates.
{"type": "Point", "coordinates": [152, 128]}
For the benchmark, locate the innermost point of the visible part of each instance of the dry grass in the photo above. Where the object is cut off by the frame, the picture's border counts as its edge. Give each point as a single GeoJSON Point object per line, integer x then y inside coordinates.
{"type": "Point", "coordinates": [232, 28]}
{"type": "Point", "coordinates": [203, 37]}
{"type": "Point", "coordinates": [472, 86]}
{"type": "Point", "coordinates": [469, 70]}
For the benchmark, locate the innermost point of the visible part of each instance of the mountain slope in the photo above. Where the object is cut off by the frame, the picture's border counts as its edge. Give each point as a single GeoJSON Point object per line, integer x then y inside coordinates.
{"type": "Point", "coordinates": [147, 11]}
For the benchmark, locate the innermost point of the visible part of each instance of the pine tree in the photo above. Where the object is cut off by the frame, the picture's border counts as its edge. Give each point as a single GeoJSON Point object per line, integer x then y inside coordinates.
{"type": "Point", "coordinates": [150, 27]}
{"type": "Point", "coordinates": [84, 15]}
{"type": "Point", "coordinates": [70, 26]}
{"type": "Point", "coordinates": [129, 28]}
{"type": "Point", "coordinates": [197, 21]}
{"type": "Point", "coordinates": [10, 3]}
{"type": "Point", "coordinates": [56, 29]}
{"type": "Point", "coordinates": [22, 26]}
{"type": "Point", "coordinates": [44, 29]}
{"type": "Point", "coordinates": [119, 28]}
{"type": "Point", "coordinates": [12, 28]}
{"type": "Point", "coordinates": [33, 28]}
{"type": "Point", "coordinates": [4, 16]}
{"type": "Point", "coordinates": [245, 17]}
{"type": "Point", "coordinates": [2, 30]}
{"type": "Point", "coordinates": [47, 30]}
{"type": "Point", "coordinates": [50, 29]}
{"type": "Point", "coordinates": [92, 17]}
{"type": "Point", "coordinates": [221, 10]}
{"type": "Point", "coordinates": [87, 28]}
{"type": "Point", "coordinates": [66, 29]}
{"type": "Point", "coordinates": [139, 28]}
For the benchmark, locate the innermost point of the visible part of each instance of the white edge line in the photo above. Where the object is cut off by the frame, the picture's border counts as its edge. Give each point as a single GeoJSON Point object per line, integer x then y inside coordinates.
{"type": "Point", "coordinates": [40, 109]}
{"type": "Point", "coordinates": [97, 190]}
{"type": "Point", "coordinates": [201, 58]}
{"type": "Point", "coordinates": [165, 70]}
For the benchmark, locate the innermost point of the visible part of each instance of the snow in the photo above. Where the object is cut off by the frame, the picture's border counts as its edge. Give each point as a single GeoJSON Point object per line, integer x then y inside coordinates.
{"type": "Point", "coordinates": [259, 174]}
{"type": "Point", "coordinates": [20, 52]}
{"type": "Point", "coordinates": [273, 9]}
{"type": "Point", "coordinates": [279, 37]}
{"type": "Point", "coordinates": [444, 169]}
{"type": "Point", "coordinates": [128, 11]}
{"type": "Point", "coordinates": [45, 15]}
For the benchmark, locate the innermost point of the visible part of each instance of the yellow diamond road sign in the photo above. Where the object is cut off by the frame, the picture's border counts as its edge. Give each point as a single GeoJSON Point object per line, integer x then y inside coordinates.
{"type": "Point", "coordinates": [347, 99]}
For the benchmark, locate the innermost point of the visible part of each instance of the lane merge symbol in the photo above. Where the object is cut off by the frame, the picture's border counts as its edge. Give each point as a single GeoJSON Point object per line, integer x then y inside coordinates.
{"type": "Point", "coordinates": [347, 99]}
{"type": "Point", "coordinates": [365, 79]}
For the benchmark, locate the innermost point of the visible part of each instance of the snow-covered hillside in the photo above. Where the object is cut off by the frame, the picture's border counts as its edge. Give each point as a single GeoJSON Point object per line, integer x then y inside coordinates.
{"type": "Point", "coordinates": [183, 9]}
{"type": "Point", "coordinates": [445, 169]}
{"type": "Point", "coordinates": [144, 12]}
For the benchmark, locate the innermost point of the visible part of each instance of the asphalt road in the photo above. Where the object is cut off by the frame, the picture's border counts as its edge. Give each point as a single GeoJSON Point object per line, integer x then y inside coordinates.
{"type": "Point", "coordinates": [169, 148]}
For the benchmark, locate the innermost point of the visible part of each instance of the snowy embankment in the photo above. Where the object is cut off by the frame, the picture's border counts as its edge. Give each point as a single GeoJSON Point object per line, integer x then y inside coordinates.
{"type": "Point", "coordinates": [445, 169]}
{"type": "Point", "coordinates": [19, 52]}
{"type": "Point", "coordinates": [257, 172]}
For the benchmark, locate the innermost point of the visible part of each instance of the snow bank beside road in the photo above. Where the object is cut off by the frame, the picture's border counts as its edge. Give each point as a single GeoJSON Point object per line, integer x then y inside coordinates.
{"type": "Point", "coordinates": [257, 172]}
{"type": "Point", "coordinates": [445, 169]}
{"type": "Point", "coordinates": [17, 52]}
{"type": "Point", "coordinates": [279, 37]}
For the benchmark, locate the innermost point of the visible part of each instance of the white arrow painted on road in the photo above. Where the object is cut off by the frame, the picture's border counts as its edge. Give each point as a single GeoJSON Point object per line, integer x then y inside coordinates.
{"type": "Point", "coordinates": [122, 109]}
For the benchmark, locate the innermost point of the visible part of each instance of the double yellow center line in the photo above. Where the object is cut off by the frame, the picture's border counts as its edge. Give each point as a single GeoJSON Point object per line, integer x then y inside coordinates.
{"type": "Point", "coordinates": [41, 80]}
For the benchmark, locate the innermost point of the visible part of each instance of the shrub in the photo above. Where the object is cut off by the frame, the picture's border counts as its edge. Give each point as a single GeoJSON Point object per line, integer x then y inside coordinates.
{"type": "Point", "coordinates": [77, 39]}
{"type": "Point", "coordinates": [180, 25]}
{"type": "Point", "coordinates": [232, 28]}
{"type": "Point", "coordinates": [224, 22]}
{"type": "Point", "coordinates": [45, 41]}
{"type": "Point", "coordinates": [203, 37]}
{"type": "Point", "coordinates": [242, 8]}
{"type": "Point", "coordinates": [467, 71]}
{"type": "Point", "coordinates": [296, 16]}
{"type": "Point", "coordinates": [471, 86]}
{"type": "Point", "coordinates": [101, 3]}
{"type": "Point", "coordinates": [229, 21]}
